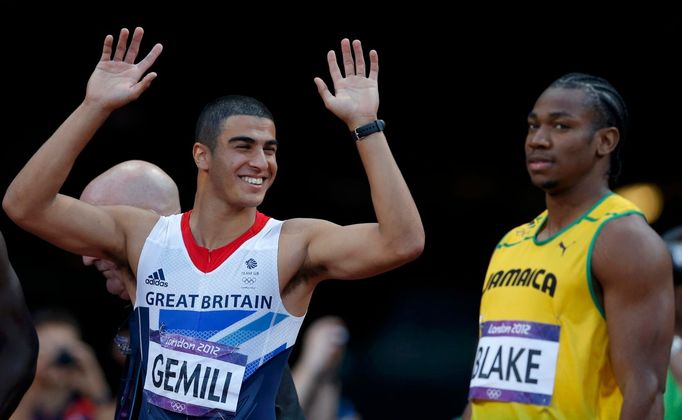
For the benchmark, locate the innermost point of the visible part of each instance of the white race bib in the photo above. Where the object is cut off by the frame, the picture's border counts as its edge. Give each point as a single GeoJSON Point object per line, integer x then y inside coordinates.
{"type": "Point", "coordinates": [192, 376]}
{"type": "Point", "coordinates": [515, 362]}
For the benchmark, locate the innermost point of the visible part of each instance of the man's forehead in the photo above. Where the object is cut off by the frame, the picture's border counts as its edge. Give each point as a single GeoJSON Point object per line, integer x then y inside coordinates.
{"type": "Point", "coordinates": [563, 102]}
{"type": "Point", "coordinates": [244, 124]}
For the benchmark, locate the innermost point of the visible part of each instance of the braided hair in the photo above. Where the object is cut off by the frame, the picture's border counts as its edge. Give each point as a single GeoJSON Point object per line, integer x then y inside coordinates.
{"type": "Point", "coordinates": [608, 105]}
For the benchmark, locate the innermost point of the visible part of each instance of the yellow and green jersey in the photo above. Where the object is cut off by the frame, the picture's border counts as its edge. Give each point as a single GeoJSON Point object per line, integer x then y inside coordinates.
{"type": "Point", "coordinates": [543, 350]}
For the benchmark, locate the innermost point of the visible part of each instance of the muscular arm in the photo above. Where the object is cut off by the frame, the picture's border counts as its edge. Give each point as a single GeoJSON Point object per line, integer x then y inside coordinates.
{"type": "Point", "coordinates": [632, 264]}
{"type": "Point", "coordinates": [33, 200]}
{"type": "Point", "coordinates": [398, 236]}
{"type": "Point", "coordinates": [18, 339]}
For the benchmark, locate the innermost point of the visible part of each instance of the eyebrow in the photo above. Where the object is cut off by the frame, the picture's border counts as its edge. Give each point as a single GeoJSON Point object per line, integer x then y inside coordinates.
{"type": "Point", "coordinates": [553, 115]}
{"type": "Point", "coordinates": [251, 140]}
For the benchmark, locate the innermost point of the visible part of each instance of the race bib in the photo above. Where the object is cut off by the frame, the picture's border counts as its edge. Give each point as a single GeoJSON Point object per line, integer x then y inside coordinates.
{"type": "Point", "coordinates": [515, 362]}
{"type": "Point", "coordinates": [192, 376]}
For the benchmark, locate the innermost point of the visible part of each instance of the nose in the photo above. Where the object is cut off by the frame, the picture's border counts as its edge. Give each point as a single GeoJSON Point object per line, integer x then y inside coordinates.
{"type": "Point", "coordinates": [259, 160]}
{"type": "Point", "coordinates": [87, 261]}
{"type": "Point", "coordinates": [537, 138]}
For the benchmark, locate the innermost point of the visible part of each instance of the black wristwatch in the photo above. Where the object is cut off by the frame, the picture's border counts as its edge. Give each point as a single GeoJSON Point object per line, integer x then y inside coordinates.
{"type": "Point", "coordinates": [367, 129]}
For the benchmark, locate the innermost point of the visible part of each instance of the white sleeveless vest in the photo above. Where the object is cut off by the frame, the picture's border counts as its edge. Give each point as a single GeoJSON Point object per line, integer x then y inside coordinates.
{"type": "Point", "coordinates": [209, 331]}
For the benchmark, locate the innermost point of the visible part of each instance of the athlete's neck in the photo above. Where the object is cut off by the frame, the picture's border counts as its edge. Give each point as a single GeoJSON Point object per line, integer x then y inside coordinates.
{"type": "Point", "coordinates": [212, 228]}
{"type": "Point", "coordinates": [565, 207]}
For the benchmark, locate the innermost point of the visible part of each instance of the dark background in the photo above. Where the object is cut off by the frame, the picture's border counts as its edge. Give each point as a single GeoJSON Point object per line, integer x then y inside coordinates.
{"type": "Point", "coordinates": [455, 91]}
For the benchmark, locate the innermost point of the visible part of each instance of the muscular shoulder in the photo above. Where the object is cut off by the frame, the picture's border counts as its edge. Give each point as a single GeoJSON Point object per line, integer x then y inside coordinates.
{"type": "Point", "coordinates": [630, 236]}
{"type": "Point", "coordinates": [302, 231]}
{"type": "Point", "coordinates": [305, 226]}
{"type": "Point", "coordinates": [297, 234]}
{"type": "Point", "coordinates": [628, 250]}
{"type": "Point", "coordinates": [136, 224]}
{"type": "Point", "coordinates": [133, 219]}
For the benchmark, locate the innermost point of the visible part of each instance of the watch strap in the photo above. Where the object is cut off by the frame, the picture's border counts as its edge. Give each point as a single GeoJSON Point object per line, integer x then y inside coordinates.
{"type": "Point", "coordinates": [367, 129]}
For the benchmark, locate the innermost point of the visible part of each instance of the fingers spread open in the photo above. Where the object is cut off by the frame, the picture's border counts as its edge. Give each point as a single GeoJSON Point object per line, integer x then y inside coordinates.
{"type": "Point", "coordinates": [150, 58]}
{"type": "Point", "coordinates": [374, 65]}
{"type": "Point", "coordinates": [334, 70]}
{"type": "Point", "coordinates": [121, 45]}
{"type": "Point", "coordinates": [359, 59]}
{"type": "Point", "coordinates": [348, 65]}
{"type": "Point", "coordinates": [322, 89]}
{"type": "Point", "coordinates": [106, 49]}
{"type": "Point", "coordinates": [134, 47]}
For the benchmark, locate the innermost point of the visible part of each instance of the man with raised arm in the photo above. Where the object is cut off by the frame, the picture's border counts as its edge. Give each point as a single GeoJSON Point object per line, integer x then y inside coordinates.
{"type": "Point", "coordinates": [221, 289]}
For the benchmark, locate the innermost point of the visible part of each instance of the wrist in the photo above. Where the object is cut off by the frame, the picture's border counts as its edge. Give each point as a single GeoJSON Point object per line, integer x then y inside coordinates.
{"type": "Point", "coordinates": [94, 110]}
{"type": "Point", "coordinates": [358, 120]}
{"type": "Point", "coordinates": [367, 129]}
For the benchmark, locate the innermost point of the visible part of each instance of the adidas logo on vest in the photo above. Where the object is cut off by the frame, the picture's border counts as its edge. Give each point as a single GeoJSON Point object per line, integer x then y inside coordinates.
{"type": "Point", "coordinates": [157, 279]}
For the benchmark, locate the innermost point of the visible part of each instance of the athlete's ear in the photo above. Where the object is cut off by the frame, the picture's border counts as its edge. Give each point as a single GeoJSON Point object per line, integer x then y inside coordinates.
{"type": "Point", "coordinates": [607, 139]}
{"type": "Point", "coordinates": [202, 155]}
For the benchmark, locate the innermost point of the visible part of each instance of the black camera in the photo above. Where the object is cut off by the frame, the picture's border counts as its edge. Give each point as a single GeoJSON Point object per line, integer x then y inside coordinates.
{"type": "Point", "coordinates": [64, 358]}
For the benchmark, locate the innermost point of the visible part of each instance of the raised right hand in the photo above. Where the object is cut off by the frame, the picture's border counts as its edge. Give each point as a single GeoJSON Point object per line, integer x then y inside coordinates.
{"type": "Point", "coordinates": [117, 80]}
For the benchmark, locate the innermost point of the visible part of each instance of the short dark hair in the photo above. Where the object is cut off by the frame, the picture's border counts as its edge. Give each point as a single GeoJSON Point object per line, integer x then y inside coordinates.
{"type": "Point", "coordinates": [209, 124]}
{"type": "Point", "coordinates": [609, 106]}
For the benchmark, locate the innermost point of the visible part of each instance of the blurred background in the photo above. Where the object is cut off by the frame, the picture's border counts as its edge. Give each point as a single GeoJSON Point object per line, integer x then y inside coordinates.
{"type": "Point", "coordinates": [455, 91]}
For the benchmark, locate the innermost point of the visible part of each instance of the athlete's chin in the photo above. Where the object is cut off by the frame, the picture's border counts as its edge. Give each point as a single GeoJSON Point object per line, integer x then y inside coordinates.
{"type": "Point", "coordinates": [252, 201]}
{"type": "Point", "coordinates": [250, 198]}
{"type": "Point", "coordinates": [545, 184]}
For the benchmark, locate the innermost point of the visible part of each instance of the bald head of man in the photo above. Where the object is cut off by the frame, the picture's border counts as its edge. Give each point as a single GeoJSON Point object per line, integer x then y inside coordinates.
{"type": "Point", "coordinates": [133, 183]}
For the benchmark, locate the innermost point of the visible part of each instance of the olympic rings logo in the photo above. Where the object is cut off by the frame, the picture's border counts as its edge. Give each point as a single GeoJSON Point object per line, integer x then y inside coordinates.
{"type": "Point", "coordinates": [177, 406]}
{"type": "Point", "coordinates": [494, 394]}
{"type": "Point", "coordinates": [249, 280]}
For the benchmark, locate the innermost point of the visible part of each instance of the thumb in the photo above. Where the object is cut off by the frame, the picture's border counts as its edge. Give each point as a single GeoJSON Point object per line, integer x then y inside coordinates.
{"type": "Point", "coordinates": [323, 90]}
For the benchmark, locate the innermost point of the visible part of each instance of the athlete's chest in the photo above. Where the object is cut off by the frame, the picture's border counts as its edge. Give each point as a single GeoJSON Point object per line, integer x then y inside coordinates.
{"type": "Point", "coordinates": [539, 277]}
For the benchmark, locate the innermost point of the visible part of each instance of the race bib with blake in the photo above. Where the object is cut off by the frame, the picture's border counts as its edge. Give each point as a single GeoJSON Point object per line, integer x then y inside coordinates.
{"type": "Point", "coordinates": [515, 362]}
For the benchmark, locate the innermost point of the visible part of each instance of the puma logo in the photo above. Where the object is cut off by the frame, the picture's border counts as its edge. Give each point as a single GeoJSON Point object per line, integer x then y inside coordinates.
{"type": "Point", "coordinates": [564, 247]}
